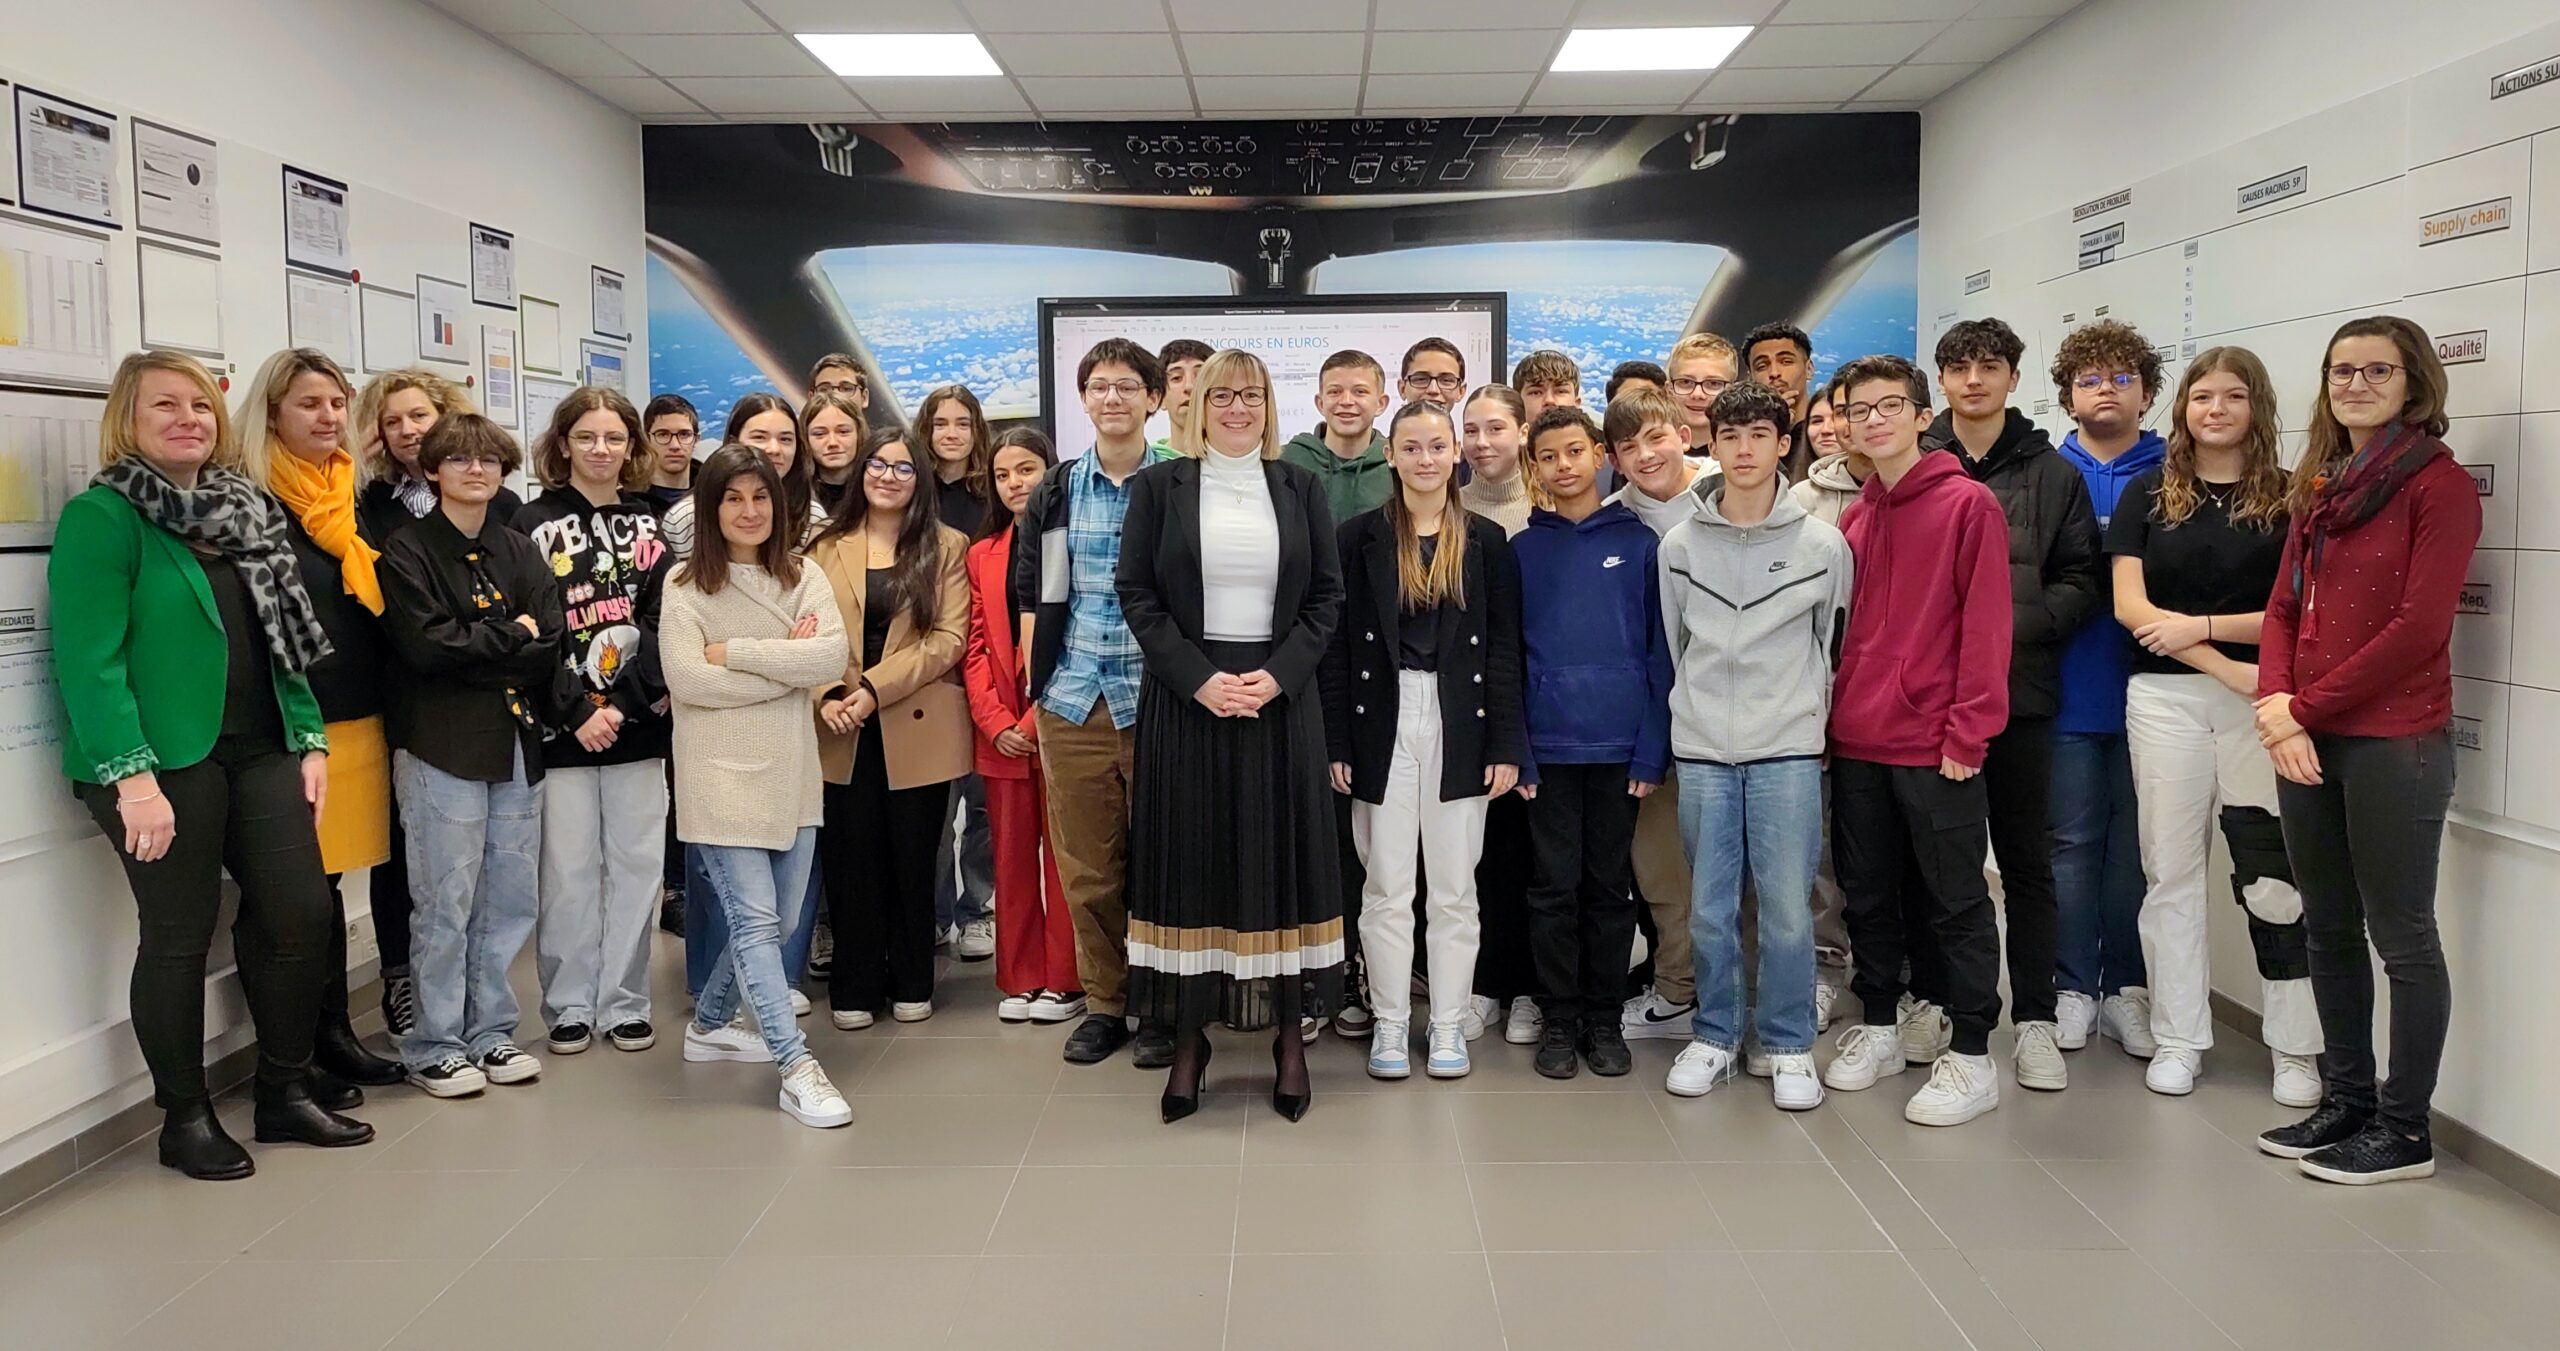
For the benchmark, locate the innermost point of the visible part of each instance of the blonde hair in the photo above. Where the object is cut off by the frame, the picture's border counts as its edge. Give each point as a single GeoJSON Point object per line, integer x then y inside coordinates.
{"type": "Point", "coordinates": [259, 444]}
{"type": "Point", "coordinates": [1700, 345]}
{"type": "Point", "coordinates": [2260, 502]}
{"type": "Point", "coordinates": [373, 458]}
{"type": "Point", "coordinates": [1446, 576]}
{"type": "Point", "coordinates": [1230, 369]}
{"type": "Point", "coordinates": [124, 399]}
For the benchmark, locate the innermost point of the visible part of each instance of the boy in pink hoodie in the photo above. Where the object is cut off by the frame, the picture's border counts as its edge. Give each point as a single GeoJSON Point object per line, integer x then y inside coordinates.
{"type": "Point", "coordinates": [1923, 686]}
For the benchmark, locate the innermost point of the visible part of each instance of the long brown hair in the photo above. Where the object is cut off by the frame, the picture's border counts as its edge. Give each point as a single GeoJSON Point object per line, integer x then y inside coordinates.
{"type": "Point", "coordinates": [915, 580]}
{"type": "Point", "coordinates": [1446, 577]}
{"type": "Point", "coordinates": [706, 569]}
{"type": "Point", "coordinates": [1518, 408]}
{"type": "Point", "coordinates": [977, 475]}
{"type": "Point", "coordinates": [2260, 503]}
{"type": "Point", "coordinates": [821, 402]}
{"type": "Point", "coordinates": [1028, 438]}
{"type": "Point", "coordinates": [794, 523]}
{"type": "Point", "coordinates": [551, 447]}
{"type": "Point", "coordinates": [2328, 448]}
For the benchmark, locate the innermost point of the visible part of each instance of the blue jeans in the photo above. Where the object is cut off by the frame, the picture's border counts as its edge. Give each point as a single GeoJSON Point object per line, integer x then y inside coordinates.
{"type": "Point", "coordinates": [706, 930]}
{"type": "Point", "coordinates": [965, 891]}
{"type": "Point", "coordinates": [1764, 818]}
{"type": "Point", "coordinates": [2097, 865]}
{"type": "Point", "coordinates": [762, 895]}
{"type": "Point", "coordinates": [475, 860]}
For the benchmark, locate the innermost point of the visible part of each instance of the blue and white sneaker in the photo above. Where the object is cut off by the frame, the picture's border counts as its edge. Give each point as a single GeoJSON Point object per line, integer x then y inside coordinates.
{"type": "Point", "coordinates": [1448, 1052]}
{"type": "Point", "coordinates": [1388, 1057]}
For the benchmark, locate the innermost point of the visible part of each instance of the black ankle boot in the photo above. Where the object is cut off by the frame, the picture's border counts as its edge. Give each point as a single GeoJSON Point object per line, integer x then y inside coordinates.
{"type": "Point", "coordinates": [339, 1051]}
{"type": "Point", "coordinates": [288, 1115]}
{"type": "Point", "coordinates": [333, 1093]}
{"type": "Point", "coordinates": [193, 1141]}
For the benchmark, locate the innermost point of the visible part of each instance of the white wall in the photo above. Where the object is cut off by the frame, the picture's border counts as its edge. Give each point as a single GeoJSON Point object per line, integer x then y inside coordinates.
{"type": "Point", "coordinates": [2162, 94]}
{"type": "Point", "coordinates": [428, 122]}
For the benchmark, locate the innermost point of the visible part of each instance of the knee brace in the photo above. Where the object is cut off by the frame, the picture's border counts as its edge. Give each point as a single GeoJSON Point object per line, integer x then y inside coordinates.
{"type": "Point", "coordinates": [2262, 881]}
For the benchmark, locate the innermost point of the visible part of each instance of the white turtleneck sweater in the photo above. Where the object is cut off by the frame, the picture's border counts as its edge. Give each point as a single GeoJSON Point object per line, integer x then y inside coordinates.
{"type": "Point", "coordinates": [1239, 548]}
{"type": "Point", "coordinates": [1506, 504]}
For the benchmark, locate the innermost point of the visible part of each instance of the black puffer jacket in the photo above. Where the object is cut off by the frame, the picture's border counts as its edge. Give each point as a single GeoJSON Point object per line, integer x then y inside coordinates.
{"type": "Point", "coordinates": [2057, 576]}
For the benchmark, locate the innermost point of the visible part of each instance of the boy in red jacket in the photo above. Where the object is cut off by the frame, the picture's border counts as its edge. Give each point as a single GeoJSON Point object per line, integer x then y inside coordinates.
{"type": "Point", "coordinates": [1923, 686]}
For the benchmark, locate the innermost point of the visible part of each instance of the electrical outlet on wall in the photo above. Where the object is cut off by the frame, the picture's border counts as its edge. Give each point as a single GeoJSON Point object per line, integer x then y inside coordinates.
{"type": "Point", "coordinates": [362, 951]}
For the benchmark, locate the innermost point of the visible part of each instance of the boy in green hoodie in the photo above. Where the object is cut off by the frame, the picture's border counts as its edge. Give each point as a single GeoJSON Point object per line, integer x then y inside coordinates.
{"type": "Point", "coordinates": [1345, 452]}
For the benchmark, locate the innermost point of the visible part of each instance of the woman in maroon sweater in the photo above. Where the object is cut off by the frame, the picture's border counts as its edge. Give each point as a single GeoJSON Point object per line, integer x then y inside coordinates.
{"type": "Point", "coordinates": [2355, 689]}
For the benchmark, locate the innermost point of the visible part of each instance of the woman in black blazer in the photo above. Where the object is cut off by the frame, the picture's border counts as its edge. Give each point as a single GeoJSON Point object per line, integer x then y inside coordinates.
{"type": "Point", "coordinates": [1422, 710]}
{"type": "Point", "coordinates": [1229, 583]}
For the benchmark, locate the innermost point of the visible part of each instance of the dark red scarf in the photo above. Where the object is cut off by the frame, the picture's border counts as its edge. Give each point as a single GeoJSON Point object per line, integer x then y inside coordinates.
{"type": "Point", "coordinates": [2349, 497]}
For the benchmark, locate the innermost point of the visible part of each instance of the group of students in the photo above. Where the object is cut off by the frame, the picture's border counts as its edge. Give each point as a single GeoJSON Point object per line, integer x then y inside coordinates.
{"type": "Point", "coordinates": [1739, 682]}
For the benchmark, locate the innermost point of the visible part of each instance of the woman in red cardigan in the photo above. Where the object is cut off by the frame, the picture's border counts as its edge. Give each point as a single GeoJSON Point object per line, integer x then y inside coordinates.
{"type": "Point", "coordinates": [1035, 944]}
{"type": "Point", "coordinates": [2355, 689]}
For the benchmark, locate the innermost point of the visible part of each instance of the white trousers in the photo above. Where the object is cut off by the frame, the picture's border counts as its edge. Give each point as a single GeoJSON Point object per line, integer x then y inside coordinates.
{"type": "Point", "coordinates": [1411, 824]}
{"type": "Point", "coordinates": [2195, 750]}
{"type": "Point", "coordinates": [604, 840]}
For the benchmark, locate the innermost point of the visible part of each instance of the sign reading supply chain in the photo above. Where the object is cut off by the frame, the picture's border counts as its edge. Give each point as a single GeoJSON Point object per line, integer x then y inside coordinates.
{"type": "Point", "coordinates": [2479, 218]}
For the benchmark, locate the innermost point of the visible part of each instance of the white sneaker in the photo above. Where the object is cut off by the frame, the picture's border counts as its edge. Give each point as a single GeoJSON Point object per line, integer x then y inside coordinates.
{"type": "Point", "coordinates": [1053, 1007]}
{"type": "Point", "coordinates": [1826, 1004]}
{"type": "Point", "coordinates": [1700, 1068]}
{"type": "Point", "coordinates": [2126, 1019]}
{"type": "Point", "coordinates": [725, 1043]}
{"type": "Point", "coordinates": [1797, 1087]}
{"type": "Point", "coordinates": [1926, 1031]}
{"type": "Point", "coordinates": [1867, 1053]}
{"type": "Point", "coordinates": [946, 936]}
{"type": "Point", "coordinates": [1960, 1088]}
{"type": "Point", "coordinates": [851, 1020]}
{"type": "Point", "coordinates": [1309, 1029]}
{"type": "Point", "coordinates": [1390, 1054]}
{"type": "Point", "coordinates": [2297, 1080]}
{"type": "Point", "coordinates": [911, 1011]}
{"type": "Point", "coordinates": [1482, 1010]}
{"type": "Point", "coordinates": [977, 941]}
{"type": "Point", "coordinates": [1640, 951]}
{"type": "Point", "coordinates": [1525, 1023]}
{"type": "Point", "coordinates": [1756, 1062]}
{"type": "Point", "coordinates": [2075, 1016]}
{"type": "Point", "coordinates": [2040, 1058]}
{"type": "Point", "coordinates": [799, 1004]}
{"type": "Point", "coordinates": [811, 1099]}
{"type": "Point", "coordinates": [1015, 1008]}
{"type": "Point", "coordinates": [1448, 1058]}
{"type": "Point", "coordinates": [2172, 1071]}
{"type": "Point", "coordinates": [1650, 1017]}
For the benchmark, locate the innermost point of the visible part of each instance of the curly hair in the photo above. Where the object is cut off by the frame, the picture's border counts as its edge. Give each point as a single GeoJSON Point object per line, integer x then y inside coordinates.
{"type": "Point", "coordinates": [1748, 401]}
{"type": "Point", "coordinates": [1977, 340]}
{"type": "Point", "coordinates": [2108, 344]}
{"type": "Point", "coordinates": [2260, 503]}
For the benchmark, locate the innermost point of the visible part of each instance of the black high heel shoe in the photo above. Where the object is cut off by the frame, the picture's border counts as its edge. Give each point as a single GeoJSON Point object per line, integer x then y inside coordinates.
{"type": "Point", "coordinates": [1291, 1105]}
{"type": "Point", "coordinates": [1177, 1107]}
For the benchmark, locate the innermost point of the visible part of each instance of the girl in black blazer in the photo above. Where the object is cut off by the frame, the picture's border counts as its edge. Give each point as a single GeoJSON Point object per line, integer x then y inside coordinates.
{"type": "Point", "coordinates": [1422, 709]}
{"type": "Point", "coordinates": [1229, 583]}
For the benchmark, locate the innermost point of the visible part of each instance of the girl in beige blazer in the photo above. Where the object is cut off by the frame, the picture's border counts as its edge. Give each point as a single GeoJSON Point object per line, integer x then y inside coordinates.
{"type": "Point", "coordinates": [894, 733]}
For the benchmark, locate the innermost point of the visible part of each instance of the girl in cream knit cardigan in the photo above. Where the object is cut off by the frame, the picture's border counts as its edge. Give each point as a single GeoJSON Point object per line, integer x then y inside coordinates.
{"type": "Point", "coordinates": [746, 635]}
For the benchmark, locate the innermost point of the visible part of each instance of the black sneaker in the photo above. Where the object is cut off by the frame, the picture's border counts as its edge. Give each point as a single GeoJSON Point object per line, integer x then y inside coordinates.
{"type": "Point", "coordinates": [2329, 1124]}
{"type": "Point", "coordinates": [507, 1063]}
{"type": "Point", "coordinates": [569, 1039]}
{"type": "Point", "coordinates": [1556, 1057]}
{"type": "Point", "coordinates": [2378, 1153]}
{"type": "Point", "coordinates": [1604, 1044]}
{"type": "Point", "coordinates": [671, 910]}
{"type": "Point", "coordinates": [635, 1035]}
{"type": "Point", "coordinates": [1096, 1038]}
{"type": "Point", "coordinates": [451, 1077]}
{"type": "Point", "coordinates": [1154, 1047]}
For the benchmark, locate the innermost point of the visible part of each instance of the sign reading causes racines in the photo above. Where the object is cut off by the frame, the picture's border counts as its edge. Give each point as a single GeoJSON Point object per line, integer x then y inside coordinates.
{"type": "Point", "coordinates": [2290, 183]}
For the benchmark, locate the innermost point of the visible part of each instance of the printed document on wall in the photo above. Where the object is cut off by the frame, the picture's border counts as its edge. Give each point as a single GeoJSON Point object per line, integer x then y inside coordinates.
{"type": "Point", "coordinates": [181, 299]}
{"type": "Point", "coordinates": [321, 312]}
{"type": "Point", "coordinates": [33, 801]}
{"type": "Point", "coordinates": [66, 158]}
{"type": "Point", "coordinates": [174, 184]}
{"type": "Point", "coordinates": [317, 233]}
{"type": "Point", "coordinates": [48, 451]}
{"type": "Point", "coordinates": [53, 305]}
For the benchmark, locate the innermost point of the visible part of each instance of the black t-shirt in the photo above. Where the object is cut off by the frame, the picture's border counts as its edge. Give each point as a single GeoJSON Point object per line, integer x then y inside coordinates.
{"type": "Point", "coordinates": [961, 509]}
{"type": "Point", "coordinates": [250, 717]}
{"type": "Point", "coordinates": [879, 608]}
{"type": "Point", "coordinates": [663, 497]}
{"type": "Point", "coordinates": [1418, 636]}
{"type": "Point", "coordinates": [2204, 565]}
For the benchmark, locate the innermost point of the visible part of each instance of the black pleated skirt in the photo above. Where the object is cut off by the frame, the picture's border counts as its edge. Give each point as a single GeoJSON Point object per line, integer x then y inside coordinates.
{"type": "Point", "coordinates": [1235, 889]}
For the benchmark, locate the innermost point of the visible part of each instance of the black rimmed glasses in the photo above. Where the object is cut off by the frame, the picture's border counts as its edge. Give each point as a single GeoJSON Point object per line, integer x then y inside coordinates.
{"type": "Point", "coordinates": [901, 470]}
{"type": "Point", "coordinates": [1229, 398]}
{"type": "Point", "coordinates": [1891, 406]}
{"type": "Point", "coordinates": [2375, 373]}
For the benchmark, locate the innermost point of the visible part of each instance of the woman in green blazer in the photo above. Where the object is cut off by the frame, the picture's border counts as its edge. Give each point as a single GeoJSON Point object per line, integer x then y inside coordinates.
{"type": "Point", "coordinates": [170, 568]}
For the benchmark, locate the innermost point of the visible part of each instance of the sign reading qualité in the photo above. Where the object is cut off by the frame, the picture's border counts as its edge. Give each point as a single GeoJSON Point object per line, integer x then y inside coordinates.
{"type": "Point", "coordinates": [2460, 349]}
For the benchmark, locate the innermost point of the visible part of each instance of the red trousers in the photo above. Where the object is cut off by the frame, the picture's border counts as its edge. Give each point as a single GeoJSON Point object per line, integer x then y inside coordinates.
{"type": "Point", "coordinates": [1035, 940]}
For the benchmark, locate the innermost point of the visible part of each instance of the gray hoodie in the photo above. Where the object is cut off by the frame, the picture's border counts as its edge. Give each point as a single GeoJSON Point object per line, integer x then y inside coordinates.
{"type": "Point", "coordinates": [1755, 614]}
{"type": "Point", "coordinates": [1828, 488]}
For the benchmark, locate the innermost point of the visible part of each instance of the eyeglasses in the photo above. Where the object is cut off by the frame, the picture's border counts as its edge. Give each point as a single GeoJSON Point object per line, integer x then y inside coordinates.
{"type": "Point", "coordinates": [1229, 398]}
{"type": "Point", "coordinates": [1448, 380]}
{"type": "Point", "coordinates": [608, 440]}
{"type": "Point", "coordinates": [474, 459]}
{"type": "Point", "coordinates": [672, 437]}
{"type": "Point", "coordinates": [844, 387]}
{"type": "Point", "coordinates": [2121, 380]}
{"type": "Point", "coordinates": [2374, 373]}
{"type": "Point", "coordinates": [900, 470]}
{"type": "Point", "coordinates": [1103, 389]}
{"type": "Point", "coordinates": [1891, 405]}
{"type": "Point", "coordinates": [1684, 384]}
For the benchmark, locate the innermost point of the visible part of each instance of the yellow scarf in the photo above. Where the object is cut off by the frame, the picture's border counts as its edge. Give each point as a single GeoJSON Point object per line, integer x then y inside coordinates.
{"type": "Point", "coordinates": [323, 497]}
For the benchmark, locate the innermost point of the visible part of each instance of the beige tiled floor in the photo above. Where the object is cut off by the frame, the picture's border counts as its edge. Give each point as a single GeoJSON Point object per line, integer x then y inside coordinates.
{"type": "Point", "coordinates": [989, 1196]}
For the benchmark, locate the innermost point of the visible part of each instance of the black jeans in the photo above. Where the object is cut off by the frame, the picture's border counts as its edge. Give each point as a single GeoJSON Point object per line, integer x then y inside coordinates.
{"type": "Point", "coordinates": [2364, 843]}
{"type": "Point", "coordinates": [390, 886]}
{"type": "Point", "coordinates": [875, 860]}
{"type": "Point", "coordinates": [1582, 905]}
{"type": "Point", "coordinates": [240, 811]}
{"type": "Point", "coordinates": [2017, 777]}
{"type": "Point", "coordinates": [1504, 970]}
{"type": "Point", "coordinates": [1893, 825]}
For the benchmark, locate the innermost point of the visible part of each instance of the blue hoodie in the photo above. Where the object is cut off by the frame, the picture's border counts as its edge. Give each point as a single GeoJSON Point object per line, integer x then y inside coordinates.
{"type": "Point", "coordinates": [2099, 659]}
{"type": "Point", "coordinates": [1591, 634]}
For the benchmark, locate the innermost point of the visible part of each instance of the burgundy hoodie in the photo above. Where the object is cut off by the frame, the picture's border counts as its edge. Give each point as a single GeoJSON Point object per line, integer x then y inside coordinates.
{"type": "Point", "coordinates": [1924, 672]}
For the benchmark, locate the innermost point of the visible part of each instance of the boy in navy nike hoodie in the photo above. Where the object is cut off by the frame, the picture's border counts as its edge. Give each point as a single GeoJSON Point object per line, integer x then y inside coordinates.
{"type": "Point", "coordinates": [1599, 689]}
